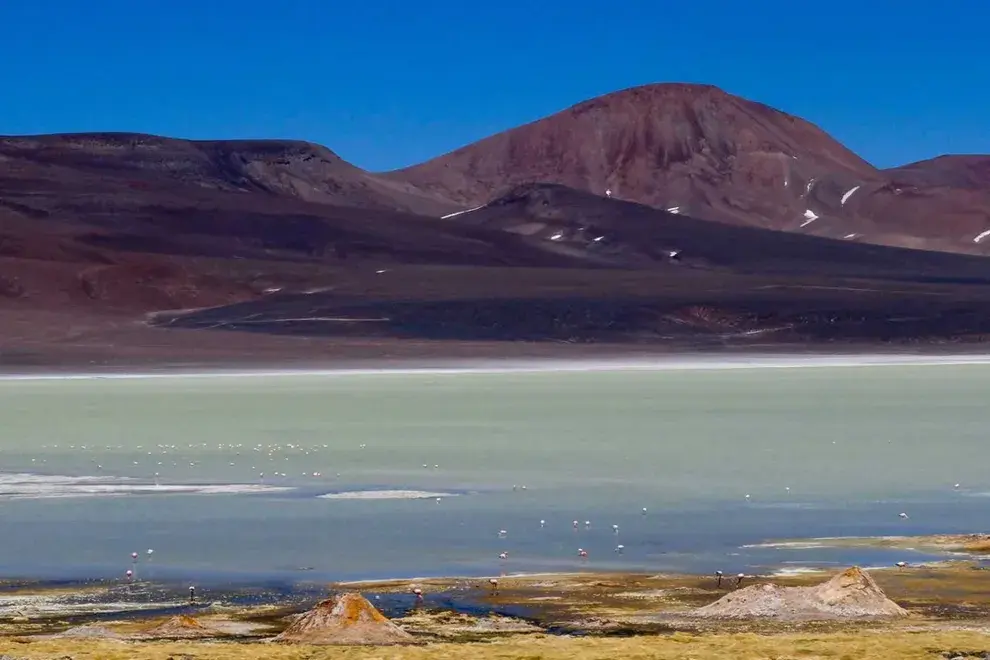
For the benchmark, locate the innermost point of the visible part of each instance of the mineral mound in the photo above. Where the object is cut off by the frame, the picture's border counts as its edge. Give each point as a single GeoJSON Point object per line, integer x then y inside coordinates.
{"type": "Point", "coordinates": [346, 619]}
{"type": "Point", "coordinates": [90, 631]}
{"type": "Point", "coordinates": [852, 594]}
{"type": "Point", "coordinates": [180, 627]}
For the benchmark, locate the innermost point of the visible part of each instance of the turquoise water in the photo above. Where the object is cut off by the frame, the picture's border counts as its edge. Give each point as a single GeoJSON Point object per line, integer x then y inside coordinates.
{"type": "Point", "coordinates": [824, 451]}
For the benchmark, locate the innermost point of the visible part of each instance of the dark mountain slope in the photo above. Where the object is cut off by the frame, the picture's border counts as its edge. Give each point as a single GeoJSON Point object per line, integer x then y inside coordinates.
{"type": "Point", "coordinates": [673, 280]}
{"type": "Point", "coordinates": [633, 235]}
{"type": "Point", "coordinates": [298, 170]}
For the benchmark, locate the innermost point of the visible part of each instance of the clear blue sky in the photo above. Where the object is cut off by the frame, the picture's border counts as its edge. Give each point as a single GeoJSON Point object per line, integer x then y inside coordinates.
{"type": "Point", "coordinates": [391, 82]}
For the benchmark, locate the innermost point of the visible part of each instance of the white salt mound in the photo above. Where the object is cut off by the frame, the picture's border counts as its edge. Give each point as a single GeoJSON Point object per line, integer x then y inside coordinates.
{"type": "Point", "coordinates": [852, 594]}
{"type": "Point", "coordinates": [92, 631]}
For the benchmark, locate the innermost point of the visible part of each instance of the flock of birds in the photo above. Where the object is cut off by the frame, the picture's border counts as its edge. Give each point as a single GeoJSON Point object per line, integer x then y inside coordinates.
{"type": "Point", "coordinates": [274, 453]}
{"type": "Point", "coordinates": [581, 552]}
{"type": "Point", "coordinates": [176, 455]}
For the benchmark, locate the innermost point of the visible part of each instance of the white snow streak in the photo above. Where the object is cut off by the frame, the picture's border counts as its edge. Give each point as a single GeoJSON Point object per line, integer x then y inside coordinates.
{"type": "Point", "coordinates": [674, 209]}
{"type": "Point", "coordinates": [807, 188]}
{"type": "Point", "coordinates": [451, 215]}
{"type": "Point", "coordinates": [850, 236]}
{"type": "Point", "coordinates": [981, 236]}
{"type": "Point", "coordinates": [849, 193]}
{"type": "Point", "coordinates": [811, 217]}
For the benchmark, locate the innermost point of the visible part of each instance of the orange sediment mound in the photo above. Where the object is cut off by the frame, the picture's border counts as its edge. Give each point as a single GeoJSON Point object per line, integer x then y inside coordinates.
{"type": "Point", "coordinates": [852, 594]}
{"type": "Point", "coordinates": [346, 619]}
{"type": "Point", "coordinates": [180, 627]}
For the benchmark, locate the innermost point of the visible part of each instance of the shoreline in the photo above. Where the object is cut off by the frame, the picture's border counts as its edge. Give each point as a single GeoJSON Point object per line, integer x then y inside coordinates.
{"type": "Point", "coordinates": [662, 362]}
{"type": "Point", "coordinates": [563, 615]}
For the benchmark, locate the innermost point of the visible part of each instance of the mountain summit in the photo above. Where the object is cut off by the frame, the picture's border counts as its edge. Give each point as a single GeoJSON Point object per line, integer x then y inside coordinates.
{"type": "Point", "coordinates": [696, 150]}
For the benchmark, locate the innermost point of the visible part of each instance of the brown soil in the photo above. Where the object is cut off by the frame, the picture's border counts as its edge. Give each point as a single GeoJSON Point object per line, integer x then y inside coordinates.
{"type": "Point", "coordinates": [347, 619]}
{"type": "Point", "coordinates": [852, 594]}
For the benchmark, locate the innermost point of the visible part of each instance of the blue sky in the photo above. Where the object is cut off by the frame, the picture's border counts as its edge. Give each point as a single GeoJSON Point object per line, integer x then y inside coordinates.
{"type": "Point", "coordinates": [389, 83]}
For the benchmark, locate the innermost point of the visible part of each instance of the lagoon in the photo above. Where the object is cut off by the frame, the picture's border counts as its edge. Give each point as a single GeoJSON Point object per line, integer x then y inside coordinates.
{"type": "Point", "coordinates": [337, 475]}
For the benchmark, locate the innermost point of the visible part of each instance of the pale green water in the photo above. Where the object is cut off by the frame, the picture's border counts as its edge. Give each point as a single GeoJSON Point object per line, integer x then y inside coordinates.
{"type": "Point", "coordinates": [854, 445]}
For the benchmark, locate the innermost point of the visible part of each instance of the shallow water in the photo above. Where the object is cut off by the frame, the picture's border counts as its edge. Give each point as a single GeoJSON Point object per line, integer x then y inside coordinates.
{"type": "Point", "coordinates": [827, 451]}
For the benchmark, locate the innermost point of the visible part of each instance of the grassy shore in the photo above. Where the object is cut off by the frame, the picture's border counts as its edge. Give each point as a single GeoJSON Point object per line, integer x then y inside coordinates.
{"type": "Point", "coordinates": [567, 616]}
{"type": "Point", "coordinates": [861, 645]}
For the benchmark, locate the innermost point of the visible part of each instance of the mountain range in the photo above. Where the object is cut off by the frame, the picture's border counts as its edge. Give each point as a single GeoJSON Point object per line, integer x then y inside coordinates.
{"type": "Point", "coordinates": [624, 196]}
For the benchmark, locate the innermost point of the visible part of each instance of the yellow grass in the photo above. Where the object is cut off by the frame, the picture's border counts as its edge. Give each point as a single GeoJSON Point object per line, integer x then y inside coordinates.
{"type": "Point", "coordinates": [883, 645]}
{"type": "Point", "coordinates": [982, 545]}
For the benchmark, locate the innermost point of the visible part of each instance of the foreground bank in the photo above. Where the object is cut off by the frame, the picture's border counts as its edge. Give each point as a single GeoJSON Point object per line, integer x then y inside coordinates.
{"type": "Point", "coordinates": [936, 611]}
{"type": "Point", "coordinates": [870, 645]}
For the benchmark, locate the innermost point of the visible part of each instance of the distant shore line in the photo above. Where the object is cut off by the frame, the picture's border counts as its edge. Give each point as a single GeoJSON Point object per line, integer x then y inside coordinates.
{"type": "Point", "coordinates": [697, 362]}
{"type": "Point", "coordinates": [220, 581]}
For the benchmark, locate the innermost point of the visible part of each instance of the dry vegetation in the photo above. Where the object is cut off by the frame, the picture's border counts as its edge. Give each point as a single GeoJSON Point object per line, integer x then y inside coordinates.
{"type": "Point", "coordinates": [614, 616]}
{"type": "Point", "coordinates": [902, 645]}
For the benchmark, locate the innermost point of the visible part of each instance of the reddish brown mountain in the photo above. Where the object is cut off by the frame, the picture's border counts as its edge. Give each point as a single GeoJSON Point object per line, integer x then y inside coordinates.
{"type": "Point", "coordinates": [98, 230]}
{"type": "Point", "coordinates": [958, 171]}
{"type": "Point", "coordinates": [698, 151]}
